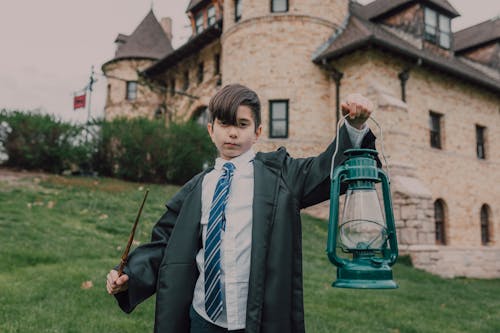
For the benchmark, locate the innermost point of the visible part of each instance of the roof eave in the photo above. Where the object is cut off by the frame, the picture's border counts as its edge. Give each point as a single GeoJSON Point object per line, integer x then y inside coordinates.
{"type": "Point", "coordinates": [372, 40]}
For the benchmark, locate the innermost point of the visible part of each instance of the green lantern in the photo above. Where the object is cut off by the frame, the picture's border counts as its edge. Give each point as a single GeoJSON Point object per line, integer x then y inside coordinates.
{"type": "Point", "coordinates": [362, 244]}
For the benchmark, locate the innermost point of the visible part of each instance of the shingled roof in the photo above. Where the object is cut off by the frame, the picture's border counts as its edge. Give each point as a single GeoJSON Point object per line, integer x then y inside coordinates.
{"type": "Point", "coordinates": [378, 8]}
{"type": "Point", "coordinates": [360, 32]}
{"type": "Point", "coordinates": [478, 34]}
{"type": "Point", "coordinates": [147, 41]}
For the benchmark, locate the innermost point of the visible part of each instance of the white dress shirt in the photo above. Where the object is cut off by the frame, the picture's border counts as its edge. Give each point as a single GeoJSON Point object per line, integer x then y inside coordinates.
{"type": "Point", "coordinates": [236, 240]}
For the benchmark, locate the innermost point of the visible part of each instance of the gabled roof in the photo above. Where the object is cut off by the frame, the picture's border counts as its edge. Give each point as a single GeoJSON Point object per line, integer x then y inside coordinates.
{"type": "Point", "coordinates": [360, 32]}
{"type": "Point", "coordinates": [378, 8]}
{"type": "Point", "coordinates": [147, 41]}
{"type": "Point", "coordinates": [193, 45]}
{"type": "Point", "coordinates": [478, 34]}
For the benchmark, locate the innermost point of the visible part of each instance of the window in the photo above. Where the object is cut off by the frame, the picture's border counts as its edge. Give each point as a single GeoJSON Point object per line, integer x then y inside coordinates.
{"type": "Point", "coordinates": [481, 154]}
{"type": "Point", "coordinates": [278, 111]}
{"type": "Point", "coordinates": [172, 87]}
{"type": "Point", "coordinates": [198, 21]}
{"type": "Point", "coordinates": [279, 6]}
{"type": "Point", "coordinates": [186, 81]}
{"type": "Point", "coordinates": [237, 10]}
{"type": "Point", "coordinates": [200, 72]}
{"type": "Point", "coordinates": [439, 220]}
{"type": "Point", "coordinates": [211, 15]}
{"type": "Point", "coordinates": [131, 90]}
{"type": "Point", "coordinates": [435, 129]}
{"type": "Point", "coordinates": [217, 64]}
{"type": "Point", "coordinates": [437, 28]}
{"type": "Point", "coordinates": [485, 225]}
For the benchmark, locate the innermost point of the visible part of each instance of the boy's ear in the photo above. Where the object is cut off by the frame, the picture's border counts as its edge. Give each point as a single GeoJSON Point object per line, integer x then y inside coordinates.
{"type": "Point", "coordinates": [258, 132]}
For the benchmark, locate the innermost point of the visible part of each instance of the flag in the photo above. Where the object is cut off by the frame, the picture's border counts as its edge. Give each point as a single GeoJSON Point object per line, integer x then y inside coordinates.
{"type": "Point", "coordinates": [79, 101]}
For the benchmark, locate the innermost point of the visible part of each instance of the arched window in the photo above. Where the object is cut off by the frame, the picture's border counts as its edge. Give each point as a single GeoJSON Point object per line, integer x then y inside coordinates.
{"type": "Point", "coordinates": [485, 224]}
{"type": "Point", "coordinates": [201, 116]}
{"type": "Point", "coordinates": [440, 221]}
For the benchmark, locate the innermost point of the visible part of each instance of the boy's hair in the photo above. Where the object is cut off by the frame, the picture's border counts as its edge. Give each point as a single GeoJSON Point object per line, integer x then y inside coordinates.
{"type": "Point", "coordinates": [224, 104]}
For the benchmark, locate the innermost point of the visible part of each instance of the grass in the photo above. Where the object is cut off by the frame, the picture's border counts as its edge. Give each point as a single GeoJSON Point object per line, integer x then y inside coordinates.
{"type": "Point", "coordinates": [62, 232]}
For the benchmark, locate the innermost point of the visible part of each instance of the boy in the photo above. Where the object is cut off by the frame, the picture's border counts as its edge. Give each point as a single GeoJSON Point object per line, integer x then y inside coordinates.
{"type": "Point", "coordinates": [226, 256]}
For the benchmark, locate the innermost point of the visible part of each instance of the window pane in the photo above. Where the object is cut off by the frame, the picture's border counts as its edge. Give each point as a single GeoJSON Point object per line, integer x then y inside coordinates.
{"type": "Point", "coordinates": [131, 90]}
{"type": "Point", "coordinates": [444, 23]}
{"type": "Point", "coordinates": [237, 9]}
{"type": "Point", "coordinates": [278, 110]}
{"type": "Point", "coordinates": [279, 128]}
{"type": "Point", "coordinates": [430, 17]}
{"type": "Point", "coordinates": [211, 15]}
{"type": "Point", "coordinates": [199, 23]}
{"type": "Point", "coordinates": [279, 5]}
{"type": "Point", "coordinates": [444, 40]}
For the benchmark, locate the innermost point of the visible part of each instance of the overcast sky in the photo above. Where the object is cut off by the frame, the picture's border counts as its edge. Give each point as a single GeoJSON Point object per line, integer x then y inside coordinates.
{"type": "Point", "coordinates": [47, 47]}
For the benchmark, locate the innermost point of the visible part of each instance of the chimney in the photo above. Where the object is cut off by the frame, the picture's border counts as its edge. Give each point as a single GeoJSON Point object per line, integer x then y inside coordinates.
{"type": "Point", "coordinates": [166, 24]}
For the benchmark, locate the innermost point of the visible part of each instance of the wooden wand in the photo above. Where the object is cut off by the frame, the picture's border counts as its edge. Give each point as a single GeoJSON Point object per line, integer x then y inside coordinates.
{"type": "Point", "coordinates": [123, 261]}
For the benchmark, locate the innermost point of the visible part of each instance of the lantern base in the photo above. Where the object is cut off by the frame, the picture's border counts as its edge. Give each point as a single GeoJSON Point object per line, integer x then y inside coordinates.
{"type": "Point", "coordinates": [364, 276]}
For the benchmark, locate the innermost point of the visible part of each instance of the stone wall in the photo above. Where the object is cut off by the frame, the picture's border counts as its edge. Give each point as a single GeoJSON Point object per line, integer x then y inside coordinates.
{"type": "Point", "coordinates": [118, 72]}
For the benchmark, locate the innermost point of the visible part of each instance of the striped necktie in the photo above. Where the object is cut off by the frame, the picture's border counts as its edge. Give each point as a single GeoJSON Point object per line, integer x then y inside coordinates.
{"type": "Point", "coordinates": [216, 223]}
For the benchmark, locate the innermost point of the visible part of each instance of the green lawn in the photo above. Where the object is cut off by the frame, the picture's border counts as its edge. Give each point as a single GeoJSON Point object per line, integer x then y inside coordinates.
{"type": "Point", "coordinates": [60, 232]}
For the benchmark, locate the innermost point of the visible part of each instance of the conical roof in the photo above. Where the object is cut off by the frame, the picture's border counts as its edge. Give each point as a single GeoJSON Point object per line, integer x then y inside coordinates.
{"type": "Point", "coordinates": [147, 41]}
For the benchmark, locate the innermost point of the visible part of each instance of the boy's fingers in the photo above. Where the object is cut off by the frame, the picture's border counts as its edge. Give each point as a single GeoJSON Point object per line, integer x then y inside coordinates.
{"type": "Point", "coordinates": [122, 280]}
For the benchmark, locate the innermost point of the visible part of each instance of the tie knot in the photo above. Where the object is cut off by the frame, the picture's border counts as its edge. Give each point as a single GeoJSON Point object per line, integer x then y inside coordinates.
{"type": "Point", "coordinates": [228, 167]}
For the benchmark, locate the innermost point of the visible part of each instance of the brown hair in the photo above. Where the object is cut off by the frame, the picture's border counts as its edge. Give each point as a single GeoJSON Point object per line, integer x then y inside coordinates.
{"type": "Point", "coordinates": [224, 104]}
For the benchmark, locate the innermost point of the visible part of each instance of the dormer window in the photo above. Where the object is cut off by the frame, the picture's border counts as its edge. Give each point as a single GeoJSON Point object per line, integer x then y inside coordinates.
{"type": "Point", "coordinates": [199, 22]}
{"type": "Point", "coordinates": [437, 28]}
{"type": "Point", "coordinates": [211, 15]}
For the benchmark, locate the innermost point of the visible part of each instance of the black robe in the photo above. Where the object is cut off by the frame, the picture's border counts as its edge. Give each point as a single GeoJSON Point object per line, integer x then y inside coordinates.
{"type": "Point", "coordinates": [282, 186]}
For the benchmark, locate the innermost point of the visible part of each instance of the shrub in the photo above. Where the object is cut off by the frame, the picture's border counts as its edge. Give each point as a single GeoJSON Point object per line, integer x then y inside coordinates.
{"type": "Point", "coordinates": [41, 142]}
{"type": "Point", "coordinates": [140, 149]}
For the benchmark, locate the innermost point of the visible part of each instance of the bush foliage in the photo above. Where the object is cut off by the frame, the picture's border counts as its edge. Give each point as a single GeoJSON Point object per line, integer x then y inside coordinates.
{"type": "Point", "coordinates": [41, 142]}
{"type": "Point", "coordinates": [136, 149]}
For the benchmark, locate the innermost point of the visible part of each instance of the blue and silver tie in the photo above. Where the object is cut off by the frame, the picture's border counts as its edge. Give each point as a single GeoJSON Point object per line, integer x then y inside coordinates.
{"type": "Point", "coordinates": [216, 223]}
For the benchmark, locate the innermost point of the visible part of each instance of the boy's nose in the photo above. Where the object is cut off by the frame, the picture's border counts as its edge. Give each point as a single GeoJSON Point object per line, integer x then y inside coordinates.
{"type": "Point", "coordinates": [233, 132]}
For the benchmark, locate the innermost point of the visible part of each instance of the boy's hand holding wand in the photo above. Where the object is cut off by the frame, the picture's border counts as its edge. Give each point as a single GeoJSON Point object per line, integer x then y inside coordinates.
{"type": "Point", "coordinates": [117, 281]}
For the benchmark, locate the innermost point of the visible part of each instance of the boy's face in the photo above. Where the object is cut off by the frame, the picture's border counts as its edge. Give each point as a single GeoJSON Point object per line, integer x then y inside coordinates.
{"type": "Point", "coordinates": [233, 140]}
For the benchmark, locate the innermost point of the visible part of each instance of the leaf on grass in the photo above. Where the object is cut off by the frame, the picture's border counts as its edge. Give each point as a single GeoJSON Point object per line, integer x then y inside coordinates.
{"type": "Point", "coordinates": [103, 216]}
{"type": "Point", "coordinates": [87, 284]}
{"type": "Point", "coordinates": [51, 204]}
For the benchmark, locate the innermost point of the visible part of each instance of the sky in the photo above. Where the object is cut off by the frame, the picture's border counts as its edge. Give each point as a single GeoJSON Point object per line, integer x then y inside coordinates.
{"type": "Point", "coordinates": [47, 48]}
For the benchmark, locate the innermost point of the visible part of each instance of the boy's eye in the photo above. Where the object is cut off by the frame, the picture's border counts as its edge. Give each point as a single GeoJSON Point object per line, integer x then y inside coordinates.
{"type": "Point", "coordinates": [243, 125]}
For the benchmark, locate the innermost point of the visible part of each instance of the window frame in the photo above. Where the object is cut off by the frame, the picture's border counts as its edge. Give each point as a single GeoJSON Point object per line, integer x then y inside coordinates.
{"type": "Point", "coordinates": [237, 10]}
{"type": "Point", "coordinates": [484, 217]}
{"type": "Point", "coordinates": [197, 19]}
{"type": "Point", "coordinates": [131, 95]}
{"type": "Point", "coordinates": [185, 85]}
{"type": "Point", "coordinates": [272, 2]}
{"type": "Point", "coordinates": [211, 19]}
{"type": "Point", "coordinates": [436, 36]}
{"type": "Point", "coordinates": [433, 133]}
{"type": "Point", "coordinates": [480, 142]}
{"type": "Point", "coordinates": [272, 120]}
{"type": "Point", "coordinates": [440, 224]}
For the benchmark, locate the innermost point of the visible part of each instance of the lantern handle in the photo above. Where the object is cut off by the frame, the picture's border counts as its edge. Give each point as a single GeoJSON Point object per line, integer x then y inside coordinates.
{"type": "Point", "coordinates": [340, 122]}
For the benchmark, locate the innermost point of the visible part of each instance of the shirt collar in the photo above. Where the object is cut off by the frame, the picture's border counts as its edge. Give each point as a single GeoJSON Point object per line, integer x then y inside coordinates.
{"type": "Point", "coordinates": [240, 162]}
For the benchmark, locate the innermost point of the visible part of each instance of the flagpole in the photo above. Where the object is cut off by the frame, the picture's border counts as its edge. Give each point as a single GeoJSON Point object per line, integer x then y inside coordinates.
{"type": "Point", "coordinates": [89, 87]}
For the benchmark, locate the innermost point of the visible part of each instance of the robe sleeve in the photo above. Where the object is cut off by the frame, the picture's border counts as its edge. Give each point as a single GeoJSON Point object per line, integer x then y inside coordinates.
{"type": "Point", "coordinates": [309, 178]}
{"type": "Point", "coordinates": [143, 263]}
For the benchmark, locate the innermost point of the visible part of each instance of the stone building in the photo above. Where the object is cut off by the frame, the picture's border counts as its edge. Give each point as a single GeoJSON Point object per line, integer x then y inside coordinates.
{"type": "Point", "coordinates": [437, 95]}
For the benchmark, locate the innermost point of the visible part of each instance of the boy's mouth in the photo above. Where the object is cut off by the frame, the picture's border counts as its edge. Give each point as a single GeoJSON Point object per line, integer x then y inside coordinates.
{"type": "Point", "coordinates": [230, 144]}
